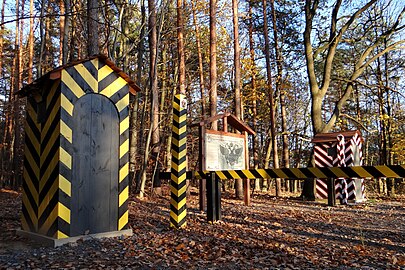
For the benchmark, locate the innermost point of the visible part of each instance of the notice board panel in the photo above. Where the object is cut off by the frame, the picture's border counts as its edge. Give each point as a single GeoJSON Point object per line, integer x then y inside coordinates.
{"type": "Point", "coordinates": [224, 151]}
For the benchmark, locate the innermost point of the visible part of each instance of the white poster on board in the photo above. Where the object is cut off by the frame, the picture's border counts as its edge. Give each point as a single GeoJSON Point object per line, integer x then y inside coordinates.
{"type": "Point", "coordinates": [223, 152]}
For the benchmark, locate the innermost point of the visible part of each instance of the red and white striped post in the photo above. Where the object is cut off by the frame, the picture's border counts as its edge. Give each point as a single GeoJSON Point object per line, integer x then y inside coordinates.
{"type": "Point", "coordinates": [340, 147]}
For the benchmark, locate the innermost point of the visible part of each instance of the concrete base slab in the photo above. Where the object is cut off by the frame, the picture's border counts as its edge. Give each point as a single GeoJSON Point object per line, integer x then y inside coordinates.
{"type": "Point", "coordinates": [52, 242]}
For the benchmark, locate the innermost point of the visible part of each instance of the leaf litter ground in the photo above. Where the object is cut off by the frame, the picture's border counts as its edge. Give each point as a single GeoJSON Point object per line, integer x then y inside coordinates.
{"type": "Point", "coordinates": [282, 233]}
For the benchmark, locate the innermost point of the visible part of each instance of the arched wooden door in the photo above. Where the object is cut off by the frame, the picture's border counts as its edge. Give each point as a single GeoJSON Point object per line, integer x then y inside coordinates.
{"type": "Point", "coordinates": [94, 201]}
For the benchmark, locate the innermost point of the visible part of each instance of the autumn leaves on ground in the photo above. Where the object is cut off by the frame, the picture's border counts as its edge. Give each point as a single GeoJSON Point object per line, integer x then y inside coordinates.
{"type": "Point", "coordinates": [282, 233]}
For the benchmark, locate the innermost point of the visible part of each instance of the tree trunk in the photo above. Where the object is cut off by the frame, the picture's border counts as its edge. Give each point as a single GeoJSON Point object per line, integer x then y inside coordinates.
{"type": "Point", "coordinates": [92, 27]}
{"type": "Point", "coordinates": [213, 62]}
{"type": "Point", "coordinates": [200, 62]}
{"type": "Point", "coordinates": [254, 94]}
{"type": "Point", "coordinates": [154, 87]}
{"type": "Point", "coordinates": [180, 48]}
{"type": "Point", "coordinates": [236, 58]}
{"type": "Point", "coordinates": [271, 97]}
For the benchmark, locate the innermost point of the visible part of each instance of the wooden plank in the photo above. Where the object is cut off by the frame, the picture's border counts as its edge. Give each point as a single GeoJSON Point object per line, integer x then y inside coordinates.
{"type": "Point", "coordinates": [95, 166]}
{"type": "Point", "coordinates": [80, 168]}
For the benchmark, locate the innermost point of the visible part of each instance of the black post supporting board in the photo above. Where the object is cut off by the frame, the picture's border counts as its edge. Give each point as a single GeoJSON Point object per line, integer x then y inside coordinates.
{"type": "Point", "coordinates": [331, 192]}
{"type": "Point", "coordinates": [213, 198]}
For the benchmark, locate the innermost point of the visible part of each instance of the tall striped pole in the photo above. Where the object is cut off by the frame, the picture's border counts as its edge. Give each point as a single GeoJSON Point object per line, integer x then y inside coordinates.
{"type": "Point", "coordinates": [178, 187]}
{"type": "Point", "coordinates": [341, 163]}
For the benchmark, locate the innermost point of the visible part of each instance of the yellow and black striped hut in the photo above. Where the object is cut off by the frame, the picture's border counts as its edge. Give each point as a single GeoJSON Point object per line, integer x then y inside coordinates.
{"type": "Point", "coordinates": [76, 151]}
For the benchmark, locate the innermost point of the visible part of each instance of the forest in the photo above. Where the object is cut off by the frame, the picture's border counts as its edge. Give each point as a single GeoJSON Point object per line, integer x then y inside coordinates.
{"type": "Point", "coordinates": [288, 69]}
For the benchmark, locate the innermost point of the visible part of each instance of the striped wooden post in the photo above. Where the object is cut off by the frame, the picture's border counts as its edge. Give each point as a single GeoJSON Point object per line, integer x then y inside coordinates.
{"type": "Point", "coordinates": [342, 163]}
{"type": "Point", "coordinates": [178, 187]}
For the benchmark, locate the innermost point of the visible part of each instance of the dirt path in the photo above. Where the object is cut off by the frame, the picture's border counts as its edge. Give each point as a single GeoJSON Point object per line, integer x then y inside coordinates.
{"type": "Point", "coordinates": [271, 234]}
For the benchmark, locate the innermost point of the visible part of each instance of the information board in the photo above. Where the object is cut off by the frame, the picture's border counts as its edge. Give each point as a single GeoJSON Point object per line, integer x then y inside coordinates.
{"type": "Point", "coordinates": [224, 151]}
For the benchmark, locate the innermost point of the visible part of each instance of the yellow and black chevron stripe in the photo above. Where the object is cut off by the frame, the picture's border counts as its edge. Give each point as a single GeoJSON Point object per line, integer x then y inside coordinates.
{"type": "Point", "coordinates": [178, 187]}
{"type": "Point", "coordinates": [94, 76]}
{"type": "Point", "coordinates": [394, 171]}
{"type": "Point", "coordinates": [29, 219]}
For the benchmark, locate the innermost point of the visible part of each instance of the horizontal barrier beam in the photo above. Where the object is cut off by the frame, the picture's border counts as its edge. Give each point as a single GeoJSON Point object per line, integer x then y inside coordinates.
{"type": "Point", "coordinates": [394, 171]}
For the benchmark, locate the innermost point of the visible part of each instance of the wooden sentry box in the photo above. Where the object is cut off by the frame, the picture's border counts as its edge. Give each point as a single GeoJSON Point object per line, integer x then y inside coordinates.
{"type": "Point", "coordinates": [75, 179]}
{"type": "Point", "coordinates": [326, 156]}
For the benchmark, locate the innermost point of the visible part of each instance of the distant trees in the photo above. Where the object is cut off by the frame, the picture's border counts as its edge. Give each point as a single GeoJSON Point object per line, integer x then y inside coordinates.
{"type": "Point", "coordinates": [248, 57]}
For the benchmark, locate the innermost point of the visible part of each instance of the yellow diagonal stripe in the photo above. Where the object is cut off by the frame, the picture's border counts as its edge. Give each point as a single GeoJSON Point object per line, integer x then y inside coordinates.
{"type": "Point", "coordinates": [60, 235]}
{"type": "Point", "coordinates": [123, 221]}
{"type": "Point", "coordinates": [386, 171]}
{"type": "Point", "coordinates": [64, 212]}
{"type": "Point", "coordinates": [104, 72]}
{"type": "Point", "coordinates": [51, 93]}
{"type": "Point", "coordinates": [71, 84]}
{"type": "Point", "coordinates": [65, 185]}
{"type": "Point", "coordinates": [95, 62]}
{"type": "Point", "coordinates": [29, 209]}
{"type": "Point", "coordinates": [86, 75]}
{"type": "Point", "coordinates": [178, 192]}
{"type": "Point", "coordinates": [362, 171]}
{"type": "Point", "coordinates": [124, 148]}
{"type": "Point", "coordinates": [179, 217]}
{"type": "Point", "coordinates": [66, 104]}
{"type": "Point", "coordinates": [50, 119]}
{"type": "Point", "coordinates": [52, 140]}
{"type": "Point", "coordinates": [124, 172]}
{"type": "Point", "coordinates": [122, 103]}
{"type": "Point", "coordinates": [49, 221]}
{"type": "Point", "coordinates": [31, 187]}
{"type": "Point", "coordinates": [66, 158]}
{"type": "Point", "coordinates": [180, 119]}
{"type": "Point", "coordinates": [47, 198]}
{"type": "Point", "coordinates": [123, 197]}
{"type": "Point", "coordinates": [113, 87]}
{"type": "Point", "coordinates": [338, 172]}
{"type": "Point", "coordinates": [66, 131]}
{"type": "Point", "coordinates": [178, 205]}
{"type": "Point", "coordinates": [124, 125]}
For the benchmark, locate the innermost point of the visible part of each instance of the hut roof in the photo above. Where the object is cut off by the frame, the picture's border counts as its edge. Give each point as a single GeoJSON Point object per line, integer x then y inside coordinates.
{"type": "Point", "coordinates": [56, 74]}
{"type": "Point", "coordinates": [330, 137]}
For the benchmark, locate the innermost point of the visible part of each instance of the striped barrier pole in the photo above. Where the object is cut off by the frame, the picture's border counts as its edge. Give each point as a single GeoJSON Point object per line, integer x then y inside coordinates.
{"type": "Point", "coordinates": [178, 187]}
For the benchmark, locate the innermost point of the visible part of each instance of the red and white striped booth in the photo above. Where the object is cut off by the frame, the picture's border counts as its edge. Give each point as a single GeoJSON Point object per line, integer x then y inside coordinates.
{"type": "Point", "coordinates": [340, 149]}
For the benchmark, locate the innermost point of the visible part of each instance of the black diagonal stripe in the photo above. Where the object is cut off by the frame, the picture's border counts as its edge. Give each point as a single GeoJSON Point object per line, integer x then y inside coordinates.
{"type": "Point", "coordinates": [119, 94]}
{"type": "Point", "coordinates": [256, 174]}
{"type": "Point", "coordinates": [326, 171]}
{"type": "Point", "coordinates": [373, 171]}
{"type": "Point", "coordinates": [65, 171]}
{"type": "Point", "coordinates": [30, 197]}
{"type": "Point", "coordinates": [108, 80]}
{"type": "Point", "coordinates": [124, 160]}
{"type": "Point", "coordinates": [66, 118]}
{"type": "Point", "coordinates": [177, 148]}
{"type": "Point", "coordinates": [78, 78]}
{"type": "Point", "coordinates": [65, 144]}
{"type": "Point", "coordinates": [122, 209]}
{"type": "Point", "coordinates": [307, 173]}
{"type": "Point", "coordinates": [178, 137]}
{"type": "Point", "coordinates": [178, 186]}
{"type": "Point", "coordinates": [50, 156]}
{"type": "Point", "coordinates": [227, 174]}
{"type": "Point", "coordinates": [288, 172]}
{"type": "Point", "coordinates": [63, 226]}
{"type": "Point", "coordinates": [124, 136]}
{"type": "Point", "coordinates": [123, 184]}
{"type": "Point", "coordinates": [51, 180]}
{"type": "Point", "coordinates": [48, 210]}
{"type": "Point", "coordinates": [179, 124]}
{"type": "Point", "coordinates": [51, 130]}
{"type": "Point", "coordinates": [53, 229]}
{"type": "Point", "coordinates": [178, 173]}
{"type": "Point", "coordinates": [68, 93]}
{"type": "Point", "coordinates": [31, 149]}
{"type": "Point", "coordinates": [33, 127]}
{"type": "Point", "coordinates": [64, 199]}
{"type": "Point", "coordinates": [271, 173]}
{"type": "Point", "coordinates": [52, 103]}
{"type": "Point", "coordinates": [398, 169]}
{"type": "Point", "coordinates": [176, 100]}
{"type": "Point", "coordinates": [28, 218]}
{"type": "Point", "coordinates": [92, 69]}
{"type": "Point", "coordinates": [178, 211]}
{"type": "Point", "coordinates": [124, 113]}
{"type": "Point", "coordinates": [31, 173]}
{"type": "Point", "coordinates": [176, 161]}
{"type": "Point", "coordinates": [179, 224]}
{"type": "Point", "coordinates": [349, 171]}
